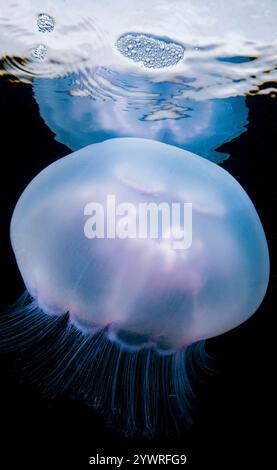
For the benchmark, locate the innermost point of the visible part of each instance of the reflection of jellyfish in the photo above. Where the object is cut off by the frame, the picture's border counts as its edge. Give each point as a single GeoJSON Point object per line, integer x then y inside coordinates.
{"type": "Point", "coordinates": [124, 319]}
{"type": "Point", "coordinates": [90, 107]}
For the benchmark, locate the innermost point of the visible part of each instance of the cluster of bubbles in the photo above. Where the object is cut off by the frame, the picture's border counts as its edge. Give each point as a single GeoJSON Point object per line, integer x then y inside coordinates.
{"type": "Point", "coordinates": [39, 52]}
{"type": "Point", "coordinates": [152, 52]}
{"type": "Point", "coordinates": [46, 24]}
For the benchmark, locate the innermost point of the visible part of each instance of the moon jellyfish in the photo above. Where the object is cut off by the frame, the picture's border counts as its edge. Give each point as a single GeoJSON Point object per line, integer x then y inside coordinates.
{"type": "Point", "coordinates": [121, 321]}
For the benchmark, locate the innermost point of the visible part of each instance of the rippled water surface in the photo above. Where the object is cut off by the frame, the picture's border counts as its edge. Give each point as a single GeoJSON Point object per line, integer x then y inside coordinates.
{"type": "Point", "coordinates": [229, 47]}
{"type": "Point", "coordinates": [173, 71]}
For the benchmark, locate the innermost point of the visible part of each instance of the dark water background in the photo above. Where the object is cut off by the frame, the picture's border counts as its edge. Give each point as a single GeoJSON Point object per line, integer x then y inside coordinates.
{"type": "Point", "coordinates": [236, 419]}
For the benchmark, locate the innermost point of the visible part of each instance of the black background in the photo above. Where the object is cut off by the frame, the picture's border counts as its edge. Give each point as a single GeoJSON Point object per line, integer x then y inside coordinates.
{"type": "Point", "coordinates": [235, 423]}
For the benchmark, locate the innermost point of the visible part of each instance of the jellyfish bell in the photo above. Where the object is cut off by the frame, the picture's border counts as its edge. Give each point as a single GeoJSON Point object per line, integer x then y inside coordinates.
{"type": "Point", "coordinates": [143, 290]}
